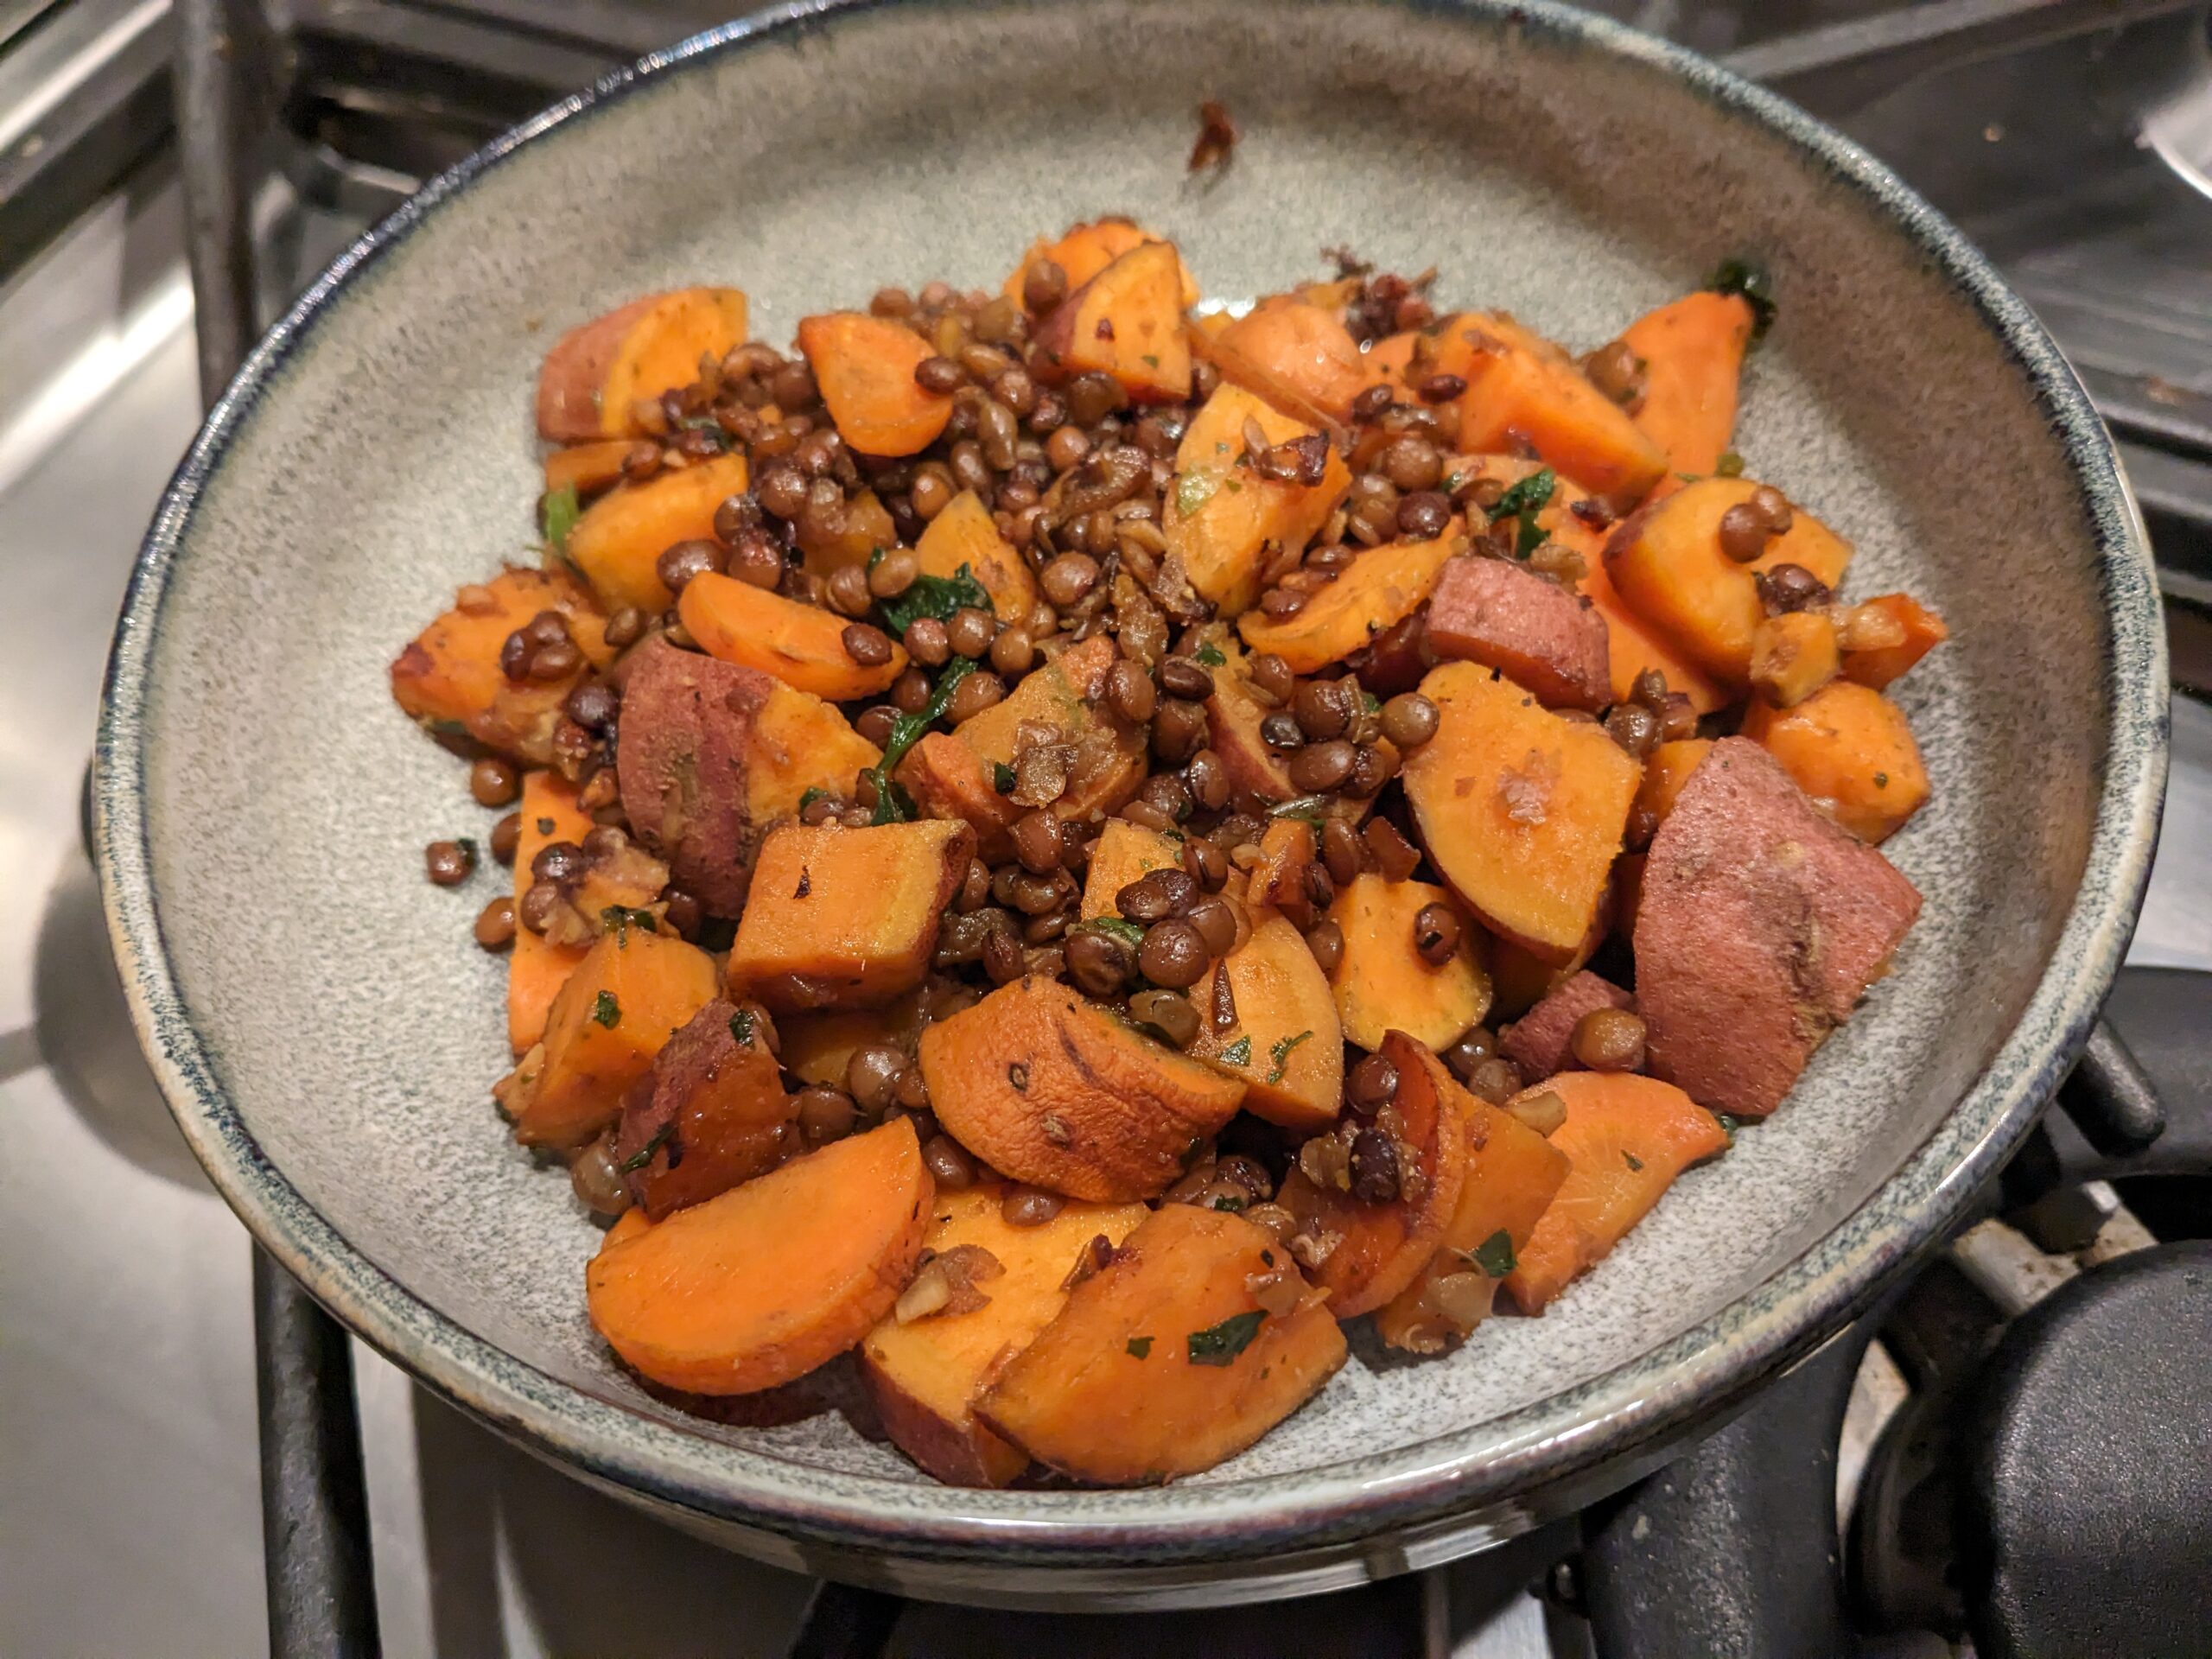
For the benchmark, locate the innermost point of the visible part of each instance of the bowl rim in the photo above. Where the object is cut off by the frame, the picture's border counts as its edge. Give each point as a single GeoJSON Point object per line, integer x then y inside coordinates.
{"type": "Point", "coordinates": [1632, 1408]}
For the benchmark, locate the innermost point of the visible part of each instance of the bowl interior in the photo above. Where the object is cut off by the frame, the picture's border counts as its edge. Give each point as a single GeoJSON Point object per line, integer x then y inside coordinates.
{"type": "Point", "coordinates": [339, 1001]}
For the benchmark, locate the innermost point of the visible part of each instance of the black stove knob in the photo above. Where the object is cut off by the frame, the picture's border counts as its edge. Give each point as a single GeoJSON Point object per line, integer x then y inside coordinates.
{"type": "Point", "coordinates": [2085, 1500]}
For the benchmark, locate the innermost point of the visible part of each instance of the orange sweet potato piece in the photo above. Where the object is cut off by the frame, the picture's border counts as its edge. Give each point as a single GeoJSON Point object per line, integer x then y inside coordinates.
{"type": "Point", "coordinates": [1542, 636]}
{"type": "Point", "coordinates": [1848, 748]}
{"type": "Point", "coordinates": [587, 468]}
{"type": "Point", "coordinates": [799, 742]}
{"type": "Point", "coordinates": [815, 1047]}
{"type": "Point", "coordinates": [620, 537]}
{"type": "Point", "coordinates": [1665, 562]}
{"type": "Point", "coordinates": [681, 758]}
{"type": "Point", "coordinates": [595, 374]}
{"type": "Point", "coordinates": [1287, 846]}
{"type": "Point", "coordinates": [865, 367]}
{"type": "Point", "coordinates": [1126, 322]}
{"type": "Point", "coordinates": [1382, 587]}
{"type": "Point", "coordinates": [1124, 852]}
{"type": "Point", "coordinates": [1513, 1173]}
{"type": "Point", "coordinates": [1285, 1041]}
{"type": "Point", "coordinates": [965, 534]}
{"type": "Point", "coordinates": [1388, 361]}
{"type": "Point", "coordinates": [1053, 1089]}
{"type": "Point", "coordinates": [1163, 1363]}
{"type": "Point", "coordinates": [1632, 645]}
{"type": "Point", "coordinates": [1626, 1138]}
{"type": "Point", "coordinates": [537, 966]}
{"type": "Point", "coordinates": [1923, 631]}
{"type": "Point", "coordinates": [1539, 1041]}
{"type": "Point", "coordinates": [612, 1016]}
{"type": "Point", "coordinates": [803, 645]}
{"type": "Point", "coordinates": [1381, 980]}
{"type": "Point", "coordinates": [924, 1375]}
{"type": "Point", "coordinates": [1519, 384]}
{"type": "Point", "coordinates": [1222, 518]}
{"type": "Point", "coordinates": [711, 1114]}
{"type": "Point", "coordinates": [1085, 250]}
{"type": "Point", "coordinates": [1760, 925]}
{"type": "Point", "coordinates": [1521, 810]}
{"type": "Point", "coordinates": [1257, 775]}
{"type": "Point", "coordinates": [1303, 349]}
{"type": "Point", "coordinates": [761, 1285]}
{"type": "Point", "coordinates": [1364, 1252]}
{"type": "Point", "coordinates": [851, 538]}
{"type": "Point", "coordinates": [1793, 656]}
{"type": "Point", "coordinates": [1519, 979]}
{"type": "Point", "coordinates": [1666, 769]}
{"type": "Point", "coordinates": [449, 678]}
{"type": "Point", "coordinates": [846, 918]}
{"type": "Point", "coordinates": [1693, 353]}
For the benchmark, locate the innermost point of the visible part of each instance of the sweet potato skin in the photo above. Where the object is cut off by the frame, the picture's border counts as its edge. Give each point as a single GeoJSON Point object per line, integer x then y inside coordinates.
{"type": "Point", "coordinates": [1378, 589]}
{"type": "Point", "coordinates": [1848, 748]}
{"type": "Point", "coordinates": [1220, 517]}
{"type": "Point", "coordinates": [618, 541]}
{"type": "Point", "coordinates": [711, 1114]}
{"type": "Point", "coordinates": [761, 1285]}
{"type": "Point", "coordinates": [1541, 1042]}
{"type": "Point", "coordinates": [1538, 634]}
{"type": "Point", "coordinates": [925, 1376]}
{"type": "Point", "coordinates": [1693, 353]}
{"type": "Point", "coordinates": [1760, 925]}
{"type": "Point", "coordinates": [537, 966]}
{"type": "Point", "coordinates": [681, 761]}
{"type": "Point", "coordinates": [596, 372]}
{"type": "Point", "coordinates": [1381, 980]}
{"type": "Point", "coordinates": [865, 367]}
{"type": "Point", "coordinates": [1050, 1088]}
{"type": "Point", "coordinates": [1109, 1392]}
{"type": "Point", "coordinates": [1287, 1042]}
{"type": "Point", "coordinates": [803, 645]}
{"type": "Point", "coordinates": [449, 678]}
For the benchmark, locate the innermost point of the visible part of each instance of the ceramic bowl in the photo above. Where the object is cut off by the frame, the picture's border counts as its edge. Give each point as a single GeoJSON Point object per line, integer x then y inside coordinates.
{"type": "Point", "coordinates": [326, 1032]}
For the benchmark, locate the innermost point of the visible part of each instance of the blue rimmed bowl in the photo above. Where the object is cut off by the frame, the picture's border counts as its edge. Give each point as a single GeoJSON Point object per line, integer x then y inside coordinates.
{"type": "Point", "coordinates": [326, 1034]}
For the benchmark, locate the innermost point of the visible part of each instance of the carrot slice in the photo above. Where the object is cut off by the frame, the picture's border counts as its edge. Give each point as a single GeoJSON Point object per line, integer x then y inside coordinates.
{"type": "Point", "coordinates": [803, 645]}
{"type": "Point", "coordinates": [1126, 322]}
{"type": "Point", "coordinates": [865, 367]}
{"type": "Point", "coordinates": [1693, 352]}
{"type": "Point", "coordinates": [537, 968]}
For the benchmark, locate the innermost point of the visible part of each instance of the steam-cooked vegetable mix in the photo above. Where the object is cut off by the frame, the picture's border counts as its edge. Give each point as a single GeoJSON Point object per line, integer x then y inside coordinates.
{"type": "Point", "coordinates": [1065, 842]}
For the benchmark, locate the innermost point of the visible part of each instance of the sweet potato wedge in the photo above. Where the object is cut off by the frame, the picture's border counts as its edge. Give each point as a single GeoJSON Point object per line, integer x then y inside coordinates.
{"type": "Point", "coordinates": [449, 678]}
{"type": "Point", "coordinates": [1126, 322]}
{"type": "Point", "coordinates": [1287, 846]}
{"type": "Point", "coordinates": [1285, 1042]}
{"type": "Point", "coordinates": [1793, 656]}
{"type": "Point", "coordinates": [537, 966]}
{"type": "Point", "coordinates": [595, 374]}
{"type": "Point", "coordinates": [761, 1285]}
{"type": "Point", "coordinates": [1693, 353]}
{"type": "Point", "coordinates": [587, 468]}
{"type": "Point", "coordinates": [1365, 1253]}
{"type": "Point", "coordinates": [1626, 1138]}
{"type": "Point", "coordinates": [846, 918]}
{"type": "Point", "coordinates": [1848, 748]}
{"type": "Point", "coordinates": [620, 537]}
{"type": "Point", "coordinates": [1381, 980]}
{"type": "Point", "coordinates": [1222, 520]}
{"type": "Point", "coordinates": [1541, 1042]}
{"type": "Point", "coordinates": [1381, 587]}
{"type": "Point", "coordinates": [1124, 852]}
{"type": "Point", "coordinates": [1632, 645]}
{"type": "Point", "coordinates": [1052, 1089]}
{"type": "Point", "coordinates": [799, 742]}
{"type": "Point", "coordinates": [1085, 251]}
{"type": "Point", "coordinates": [924, 1375]}
{"type": "Point", "coordinates": [1163, 1363]}
{"type": "Point", "coordinates": [852, 537]}
{"type": "Point", "coordinates": [632, 989]}
{"type": "Point", "coordinates": [865, 367]}
{"type": "Point", "coordinates": [681, 760]}
{"type": "Point", "coordinates": [1257, 775]}
{"type": "Point", "coordinates": [1923, 631]}
{"type": "Point", "coordinates": [1665, 562]}
{"type": "Point", "coordinates": [1760, 926]}
{"type": "Point", "coordinates": [803, 645]}
{"type": "Point", "coordinates": [712, 1113]}
{"type": "Point", "coordinates": [1666, 769]}
{"type": "Point", "coordinates": [1286, 345]}
{"type": "Point", "coordinates": [1519, 384]}
{"type": "Point", "coordinates": [1513, 1174]}
{"type": "Point", "coordinates": [965, 534]}
{"type": "Point", "coordinates": [817, 1046]}
{"type": "Point", "coordinates": [1521, 810]}
{"type": "Point", "coordinates": [1540, 635]}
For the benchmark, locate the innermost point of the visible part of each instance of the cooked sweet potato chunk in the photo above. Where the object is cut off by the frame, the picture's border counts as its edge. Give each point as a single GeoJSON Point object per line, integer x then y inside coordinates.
{"type": "Point", "coordinates": [618, 540]}
{"type": "Point", "coordinates": [1540, 635]}
{"type": "Point", "coordinates": [1521, 810]}
{"type": "Point", "coordinates": [865, 367]}
{"type": "Point", "coordinates": [1519, 382]}
{"type": "Point", "coordinates": [537, 967]}
{"type": "Point", "coordinates": [1382, 587]}
{"type": "Point", "coordinates": [612, 1016]}
{"type": "Point", "coordinates": [681, 758]}
{"type": "Point", "coordinates": [1283, 1037]}
{"type": "Point", "coordinates": [846, 918]}
{"type": "Point", "coordinates": [1923, 631]}
{"type": "Point", "coordinates": [1693, 355]}
{"type": "Point", "coordinates": [1085, 251]}
{"type": "Point", "coordinates": [817, 1047]}
{"type": "Point", "coordinates": [597, 375]}
{"type": "Point", "coordinates": [1848, 748]}
{"type": "Point", "coordinates": [1793, 656]}
{"type": "Point", "coordinates": [1222, 518]}
{"type": "Point", "coordinates": [1258, 776]}
{"type": "Point", "coordinates": [761, 1285]}
{"type": "Point", "coordinates": [803, 645]}
{"type": "Point", "coordinates": [1126, 322]}
{"type": "Point", "coordinates": [1166, 1361]}
{"type": "Point", "coordinates": [925, 1373]}
{"type": "Point", "coordinates": [1513, 1173]}
{"type": "Point", "coordinates": [1053, 1089]}
{"type": "Point", "coordinates": [1124, 852]}
{"type": "Point", "coordinates": [1542, 1040]}
{"type": "Point", "coordinates": [1632, 645]}
{"type": "Point", "coordinates": [799, 742]}
{"type": "Point", "coordinates": [712, 1113]}
{"type": "Point", "coordinates": [1298, 355]}
{"type": "Point", "coordinates": [450, 678]}
{"type": "Point", "coordinates": [587, 468]}
{"type": "Point", "coordinates": [1372, 1201]}
{"type": "Point", "coordinates": [1626, 1138]}
{"type": "Point", "coordinates": [1666, 769]}
{"type": "Point", "coordinates": [964, 534]}
{"type": "Point", "coordinates": [1381, 978]}
{"type": "Point", "coordinates": [1760, 926]}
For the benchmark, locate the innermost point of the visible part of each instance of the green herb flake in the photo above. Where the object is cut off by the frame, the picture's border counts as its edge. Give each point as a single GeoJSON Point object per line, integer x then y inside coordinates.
{"type": "Point", "coordinates": [606, 1010]}
{"type": "Point", "coordinates": [1209, 658]}
{"type": "Point", "coordinates": [892, 804]}
{"type": "Point", "coordinates": [644, 1155]}
{"type": "Point", "coordinates": [1001, 778]}
{"type": "Point", "coordinates": [1139, 1347]}
{"type": "Point", "coordinates": [1451, 483]}
{"type": "Point", "coordinates": [1369, 702]}
{"type": "Point", "coordinates": [1730, 465]}
{"type": "Point", "coordinates": [557, 516]}
{"type": "Point", "coordinates": [1228, 1201]}
{"type": "Point", "coordinates": [619, 920]}
{"type": "Point", "coordinates": [1232, 487]}
{"type": "Point", "coordinates": [936, 596]}
{"type": "Point", "coordinates": [1219, 1344]}
{"type": "Point", "coordinates": [1749, 279]}
{"type": "Point", "coordinates": [1280, 1053]}
{"type": "Point", "coordinates": [1193, 491]}
{"type": "Point", "coordinates": [1312, 808]}
{"type": "Point", "coordinates": [740, 1027]}
{"type": "Point", "coordinates": [1153, 358]}
{"type": "Point", "coordinates": [1494, 1255]}
{"type": "Point", "coordinates": [1238, 1053]}
{"type": "Point", "coordinates": [1114, 927]}
{"type": "Point", "coordinates": [468, 845]}
{"type": "Point", "coordinates": [811, 797]}
{"type": "Point", "coordinates": [1529, 536]}
{"type": "Point", "coordinates": [1532, 494]}
{"type": "Point", "coordinates": [1634, 1162]}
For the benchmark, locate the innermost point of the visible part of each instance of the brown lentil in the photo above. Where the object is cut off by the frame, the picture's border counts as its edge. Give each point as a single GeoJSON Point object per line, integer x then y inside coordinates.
{"type": "Point", "coordinates": [847, 591]}
{"type": "Point", "coordinates": [1609, 1039]}
{"type": "Point", "coordinates": [1327, 942]}
{"type": "Point", "coordinates": [1067, 578]}
{"type": "Point", "coordinates": [1320, 767]}
{"type": "Point", "coordinates": [1157, 895]}
{"type": "Point", "coordinates": [1129, 690]}
{"type": "Point", "coordinates": [1773, 509]}
{"type": "Point", "coordinates": [1409, 719]}
{"type": "Point", "coordinates": [869, 646]}
{"type": "Point", "coordinates": [495, 923]}
{"type": "Point", "coordinates": [894, 573]}
{"type": "Point", "coordinates": [1371, 1085]}
{"type": "Point", "coordinates": [1375, 1174]}
{"type": "Point", "coordinates": [493, 781]}
{"type": "Point", "coordinates": [1216, 924]}
{"type": "Point", "coordinates": [1423, 517]}
{"type": "Point", "coordinates": [448, 863]}
{"type": "Point", "coordinates": [1030, 1206]}
{"type": "Point", "coordinates": [1100, 965]}
{"type": "Point", "coordinates": [970, 631]}
{"type": "Point", "coordinates": [1494, 1079]}
{"type": "Point", "coordinates": [872, 1076]}
{"type": "Point", "coordinates": [875, 722]}
{"type": "Point", "coordinates": [1635, 727]}
{"type": "Point", "coordinates": [927, 642]}
{"type": "Point", "coordinates": [1178, 730]}
{"type": "Point", "coordinates": [1340, 851]}
{"type": "Point", "coordinates": [1012, 651]}
{"type": "Point", "coordinates": [1743, 532]}
{"type": "Point", "coordinates": [1169, 1013]}
{"type": "Point", "coordinates": [1174, 954]}
{"type": "Point", "coordinates": [1002, 957]}
{"type": "Point", "coordinates": [825, 1114]}
{"type": "Point", "coordinates": [973, 695]}
{"type": "Point", "coordinates": [1436, 934]}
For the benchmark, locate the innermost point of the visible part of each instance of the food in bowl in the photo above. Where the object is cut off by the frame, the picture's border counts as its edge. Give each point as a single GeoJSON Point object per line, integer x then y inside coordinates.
{"type": "Point", "coordinates": [1067, 842]}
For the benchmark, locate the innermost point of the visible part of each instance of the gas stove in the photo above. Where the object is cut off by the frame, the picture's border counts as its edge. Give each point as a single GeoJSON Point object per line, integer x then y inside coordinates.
{"type": "Point", "coordinates": [1939, 1467]}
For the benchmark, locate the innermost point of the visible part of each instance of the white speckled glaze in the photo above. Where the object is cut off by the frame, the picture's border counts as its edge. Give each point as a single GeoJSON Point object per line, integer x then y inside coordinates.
{"type": "Point", "coordinates": [326, 1032]}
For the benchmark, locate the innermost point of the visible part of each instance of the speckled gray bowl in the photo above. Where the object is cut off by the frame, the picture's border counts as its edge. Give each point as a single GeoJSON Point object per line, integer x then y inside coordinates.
{"type": "Point", "coordinates": [326, 1032]}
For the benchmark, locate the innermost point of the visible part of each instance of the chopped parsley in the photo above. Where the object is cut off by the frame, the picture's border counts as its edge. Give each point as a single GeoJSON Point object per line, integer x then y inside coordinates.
{"type": "Point", "coordinates": [892, 804]}
{"type": "Point", "coordinates": [1002, 777]}
{"type": "Point", "coordinates": [1219, 1344]}
{"type": "Point", "coordinates": [740, 1027]}
{"type": "Point", "coordinates": [558, 516]}
{"type": "Point", "coordinates": [1228, 1201]}
{"type": "Point", "coordinates": [606, 1010]}
{"type": "Point", "coordinates": [811, 796]}
{"type": "Point", "coordinates": [1312, 808]}
{"type": "Point", "coordinates": [1238, 1053]}
{"type": "Point", "coordinates": [619, 920]}
{"type": "Point", "coordinates": [1210, 658]}
{"type": "Point", "coordinates": [1193, 491]}
{"type": "Point", "coordinates": [1114, 927]}
{"type": "Point", "coordinates": [468, 843]}
{"type": "Point", "coordinates": [1523, 502]}
{"type": "Point", "coordinates": [937, 597]}
{"type": "Point", "coordinates": [1730, 1123]}
{"type": "Point", "coordinates": [1280, 1053]}
{"type": "Point", "coordinates": [1730, 465]}
{"type": "Point", "coordinates": [1153, 358]}
{"type": "Point", "coordinates": [644, 1155]}
{"type": "Point", "coordinates": [1634, 1162]}
{"type": "Point", "coordinates": [1749, 279]}
{"type": "Point", "coordinates": [1139, 1347]}
{"type": "Point", "coordinates": [1494, 1255]}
